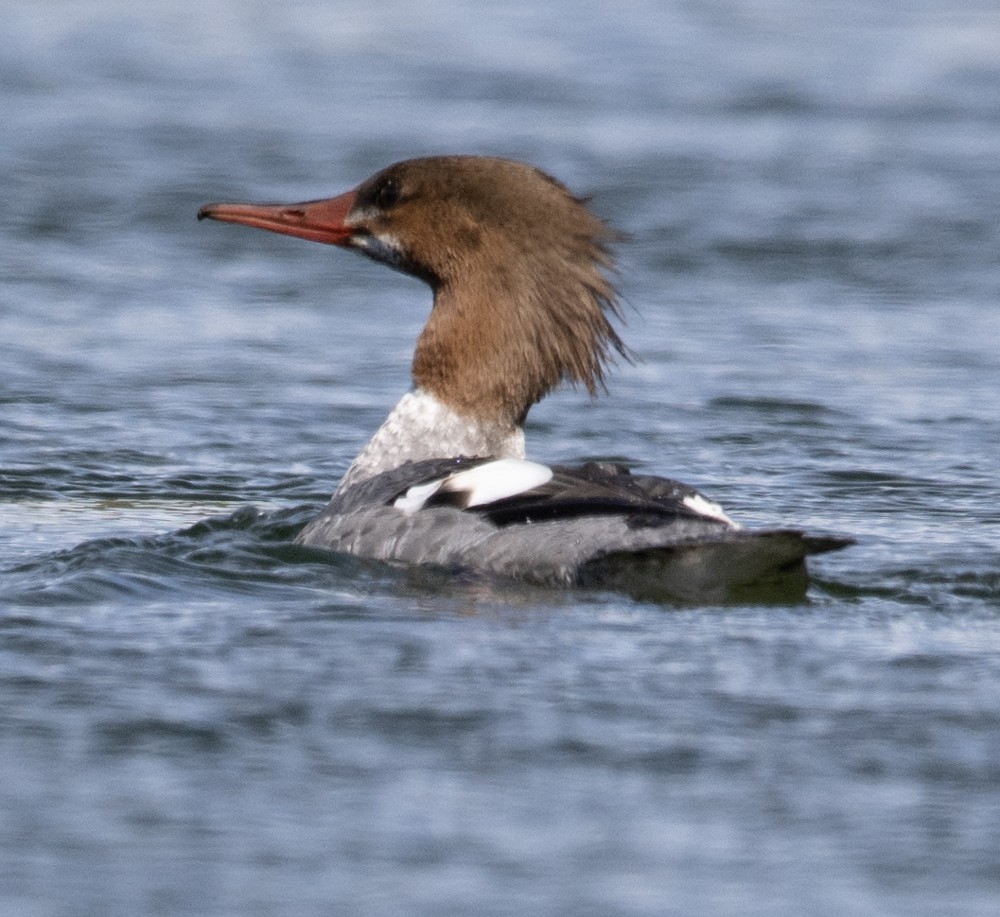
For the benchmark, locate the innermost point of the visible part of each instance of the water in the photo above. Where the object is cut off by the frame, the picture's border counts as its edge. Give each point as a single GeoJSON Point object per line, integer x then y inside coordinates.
{"type": "Point", "coordinates": [197, 717]}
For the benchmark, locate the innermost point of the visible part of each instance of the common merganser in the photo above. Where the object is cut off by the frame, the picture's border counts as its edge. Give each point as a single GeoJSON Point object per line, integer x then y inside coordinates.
{"type": "Point", "coordinates": [518, 267]}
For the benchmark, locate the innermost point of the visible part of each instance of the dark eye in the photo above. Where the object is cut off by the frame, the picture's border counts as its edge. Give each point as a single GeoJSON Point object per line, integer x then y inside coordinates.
{"type": "Point", "coordinates": [387, 194]}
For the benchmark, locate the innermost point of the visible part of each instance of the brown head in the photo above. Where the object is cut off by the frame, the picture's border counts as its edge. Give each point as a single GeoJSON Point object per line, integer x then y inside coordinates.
{"type": "Point", "coordinates": [517, 265]}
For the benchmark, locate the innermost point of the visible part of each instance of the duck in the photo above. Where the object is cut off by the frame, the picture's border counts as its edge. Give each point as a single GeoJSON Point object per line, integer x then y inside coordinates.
{"type": "Point", "coordinates": [520, 271]}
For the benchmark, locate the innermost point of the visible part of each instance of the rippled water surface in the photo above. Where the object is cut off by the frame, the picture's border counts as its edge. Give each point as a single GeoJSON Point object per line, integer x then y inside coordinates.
{"type": "Point", "coordinates": [198, 718]}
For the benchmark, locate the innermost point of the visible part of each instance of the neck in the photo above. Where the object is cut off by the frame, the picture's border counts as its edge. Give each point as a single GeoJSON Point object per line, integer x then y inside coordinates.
{"type": "Point", "coordinates": [501, 338]}
{"type": "Point", "coordinates": [423, 427]}
{"type": "Point", "coordinates": [479, 352]}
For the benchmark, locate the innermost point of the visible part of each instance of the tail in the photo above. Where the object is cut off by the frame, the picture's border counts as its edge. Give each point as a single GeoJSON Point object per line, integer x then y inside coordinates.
{"type": "Point", "coordinates": [757, 566]}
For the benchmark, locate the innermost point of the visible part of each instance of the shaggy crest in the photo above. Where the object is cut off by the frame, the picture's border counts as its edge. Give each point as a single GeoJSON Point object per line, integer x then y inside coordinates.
{"type": "Point", "coordinates": [518, 265]}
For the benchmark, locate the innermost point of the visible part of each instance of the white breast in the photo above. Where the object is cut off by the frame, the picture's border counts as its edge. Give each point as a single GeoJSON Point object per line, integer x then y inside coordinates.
{"type": "Point", "coordinates": [421, 427]}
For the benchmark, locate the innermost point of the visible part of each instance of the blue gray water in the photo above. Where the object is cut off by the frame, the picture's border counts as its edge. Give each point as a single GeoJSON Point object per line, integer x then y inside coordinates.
{"type": "Point", "coordinates": [197, 718]}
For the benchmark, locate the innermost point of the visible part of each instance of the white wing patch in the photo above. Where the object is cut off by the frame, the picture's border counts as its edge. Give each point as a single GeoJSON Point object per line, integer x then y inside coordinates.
{"type": "Point", "coordinates": [481, 485]}
{"type": "Point", "coordinates": [417, 496]}
{"type": "Point", "coordinates": [703, 507]}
